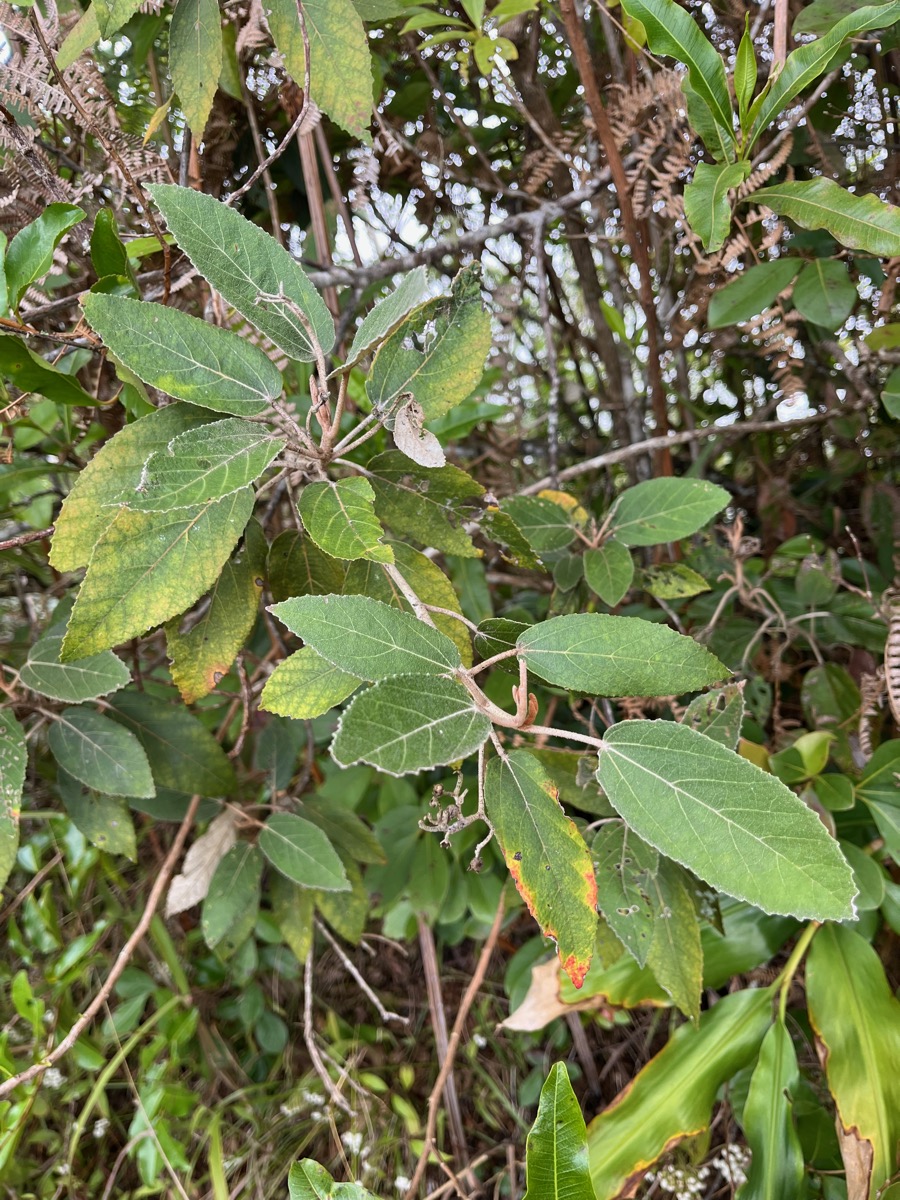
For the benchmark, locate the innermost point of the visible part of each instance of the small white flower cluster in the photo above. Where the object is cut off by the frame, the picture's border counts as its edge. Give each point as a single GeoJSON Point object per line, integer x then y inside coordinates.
{"type": "Point", "coordinates": [54, 1078]}
{"type": "Point", "coordinates": [402, 1184]}
{"type": "Point", "coordinates": [100, 1127]}
{"type": "Point", "coordinates": [352, 1142]}
{"type": "Point", "coordinates": [307, 1101]}
{"type": "Point", "coordinates": [732, 1162]}
{"type": "Point", "coordinates": [688, 1183]}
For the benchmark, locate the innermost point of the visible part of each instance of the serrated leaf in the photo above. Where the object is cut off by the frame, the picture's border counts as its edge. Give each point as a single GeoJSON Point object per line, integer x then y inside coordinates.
{"type": "Point", "coordinates": [13, 761]}
{"type": "Point", "coordinates": [706, 203]}
{"type": "Point", "coordinates": [244, 263]}
{"type": "Point", "coordinates": [29, 255]}
{"type": "Point", "coordinates": [546, 856]}
{"type": "Point", "coordinates": [204, 654]}
{"type": "Point", "coordinates": [308, 1181]}
{"type": "Point", "coordinates": [31, 373]}
{"type": "Point", "coordinates": [306, 685]}
{"type": "Point", "coordinates": [752, 292]}
{"type": "Point", "coordinates": [191, 885]}
{"type": "Point", "coordinates": [302, 853]}
{"type": "Point", "coordinates": [673, 1096]}
{"type": "Point", "coordinates": [368, 638]}
{"type": "Point", "coordinates": [72, 682]}
{"type": "Point", "coordinates": [297, 567]}
{"type": "Point", "coordinates": [859, 222]}
{"type": "Point", "coordinates": [101, 754]}
{"type": "Point", "coordinates": [387, 314]}
{"type": "Point", "coordinates": [195, 59]}
{"type": "Point", "coordinates": [777, 1167]}
{"type": "Point", "coordinates": [184, 356]}
{"type": "Point", "coordinates": [148, 567]}
{"type": "Point", "coordinates": [233, 896]}
{"type": "Point", "coordinates": [617, 656]}
{"type": "Point", "coordinates": [856, 1018]}
{"type": "Point", "coordinates": [183, 754]}
{"type": "Point", "coordinates": [556, 1154]}
{"type": "Point", "coordinates": [718, 714]}
{"type": "Point", "coordinates": [437, 354]}
{"type": "Point", "coordinates": [340, 519]}
{"type": "Point", "coordinates": [739, 829]}
{"type": "Point", "coordinates": [90, 507]}
{"type": "Point", "coordinates": [665, 510]}
{"type": "Point", "coordinates": [609, 571]}
{"type": "Point", "coordinates": [410, 723]}
{"type": "Point", "coordinates": [104, 820]}
{"type": "Point", "coordinates": [545, 525]}
{"type": "Point", "coordinates": [429, 505]}
{"type": "Point", "coordinates": [625, 867]}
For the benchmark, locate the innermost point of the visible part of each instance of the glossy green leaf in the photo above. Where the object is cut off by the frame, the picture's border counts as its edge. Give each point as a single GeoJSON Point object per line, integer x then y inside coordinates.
{"type": "Point", "coordinates": [302, 853]}
{"type": "Point", "coordinates": [340, 519]}
{"type": "Point", "coordinates": [108, 253]}
{"type": "Point", "coordinates": [297, 567]}
{"type": "Point", "coordinates": [148, 567]}
{"type": "Point", "coordinates": [306, 685]}
{"type": "Point", "coordinates": [665, 510]}
{"type": "Point", "coordinates": [672, 581]}
{"type": "Point", "coordinates": [115, 471]}
{"type": "Point", "coordinates": [233, 895]}
{"type": "Point", "coordinates": [609, 571]}
{"type": "Point", "coordinates": [368, 638]}
{"type": "Point", "coordinates": [195, 58]}
{"type": "Point", "coordinates": [706, 203]}
{"type": "Point", "coordinates": [13, 761]}
{"type": "Point", "coordinates": [427, 504]}
{"type": "Point", "coordinates": [673, 31]}
{"type": "Point", "coordinates": [673, 1096]}
{"type": "Point", "coordinates": [31, 373]}
{"type": "Point", "coordinates": [72, 682]}
{"type": "Point", "coordinates": [856, 1018]}
{"type": "Point", "coordinates": [745, 71]}
{"type": "Point", "coordinates": [556, 1154]}
{"type": "Point", "coordinates": [104, 820]}
{"type": "Point", "coordinates": [824, 293]}
{"type": "Point", "coordinates": [100, 753]}
{"type": "Point", "coordinates": [546, 856]}
{"type": "Point", "coordinates": [246, 265]}
{"type": "Point", "coordinates": [718, 714]}
{"type": "Point", "coordinates": [202, 655]}
{"type": "Point", "coordinates": [625, 867]}
{"type": "Point", "coordinates": [29, 255]}
{"type": "Point", "coordinates": [340, 65]}
{"type": "Point", "coordinates": [410, 723]}
{"type": "Point", "coordinates": [879, 789]}
{"type": "Point", "coordinates": [777, 1168]}
{"type": "Point", "coordinates": [308, 1181]}
{"type": "Point", "coordinates": [804, 759]}
{"type": "Point", "coordinates": [752, 292]}
{"type": "Point", "coordinates": [183, 356]}
{"type": "Point", "coordinates": [736, 827]}
{"type": "Point", "coordinates": [617, 656]}
{"type": "Point", "coordinates": [859, 222]}
{"type": "Point", "coordinates": [437, 354]}
{"type": "Point", "coordinates": [387, 314]}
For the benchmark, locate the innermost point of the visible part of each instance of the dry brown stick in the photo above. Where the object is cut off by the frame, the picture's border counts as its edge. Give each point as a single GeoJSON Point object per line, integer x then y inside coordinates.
{"type": "Point", "coordinates": [780, 40]}
{"type": "Point", "coordinates": [23, 539]}
{"type": "Point", "coordinates": [466, 1003]}
{"type": "Point", "coordinates": [123, 959]}
{"type": "Point", "coordinates": [316, 200]}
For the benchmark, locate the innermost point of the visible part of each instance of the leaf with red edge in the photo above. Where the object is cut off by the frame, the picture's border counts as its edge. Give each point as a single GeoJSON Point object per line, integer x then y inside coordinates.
{"type": "Point", "coordinates": [546, 855]}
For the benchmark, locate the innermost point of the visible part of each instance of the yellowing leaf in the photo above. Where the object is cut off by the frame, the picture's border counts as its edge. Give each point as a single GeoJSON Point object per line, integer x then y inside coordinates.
{"type": "Point", "coordinates": [340, 519]}
{"type": "Point", "coordinates": [306, 685]}
{"type": "Point", "coordinates": [195, 58]}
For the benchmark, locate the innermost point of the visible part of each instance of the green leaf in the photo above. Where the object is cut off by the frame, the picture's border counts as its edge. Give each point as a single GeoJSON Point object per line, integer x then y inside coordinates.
{"type": "Point", "coordinates": [387, 314]}
{"type": "Point", "coordinates": [665, 510]}
{"type": "Point", "coordinates": [233, 896]}
{"type": "Point", "coordinates": [347, 912]}
{"type": "Point", "coordinates": [245, 264]}
{"type": "Point", "coordinates": [671, 30]}
{"type": "Point", "coordinates": [297, 567]}
{"type": "Point", "coordinates": [545, 525]}
{"type": "Point", "coordinates": [368, 638]}
{"type": "Point", "coordinates": [340, 519]}
{"type": "Point", "coordinates": [437, 354]}
{"type": "Point", "coordinates": [428, 504]}
{"type": "Point", "coordinates": [879, 790]}
{"type": "Point", "coordinates": [859, 222]}
{"type": "Point", "coordinates": [302, 853]}
{"type": "Point", "coordinates": [803, 760]}
{"type": "Point", "coordinates": [546, 856]}
{"type": "Point", "coordinates": [30, 253]}
{"type": "Point", "coordinates": [340, 66]}
{"type": "Point", "coordinates": [718, 714]}
{"type": "Point", "coordinates": [31, 373]}
{"type": "Point", "coordinates": [856, 1018]}
{"type": "Point", "coordinates": [73, 682]}
{"type": "Point", "coordinates": [890, 397]}
{"type": "Point", "coordinates": [706, 203]}
{"type": "Point", "coordinates": [108, 254]}
{"type": "Point", "coordinates": [201, 656]}
{"type": "Point", "coordinates": [13, 761]}
{"type": "Point", "coordinates": [184, 756]}
{"type": "Point", "coordinates": [609, 571]}
{"type": "Point", "coordinates": [293, 908]}
{"type": "Point", "coordinates": [745, 71]}
{"type": "Point", "coordinates": [672, 581]}
{"type": "Point", "coordinates": [410, 723]}
{"type": "Point", "coordinates": [113, 14]}
{"type": "Point", "coordinates": [309, 1181]}
{"type": "Point", "coordinates": [808, 62]}
{"type": "Point", "coordinates": [673, 1096]}
{"type": "Point", "coordinates": [195, 58]}
{"type": "Point", "coordinates": [148, 567]}
{"type": "Point", "coordinates": [184, 356]}
{"type": "Point", "coordinates": [344, 828]}
{"type": "Point", "coordinates": [556, 1155]}
{"type": "Point", "coordinates": [777, 1168]}
{"type": "Point", "coordinates": [90, 508]}
{"type": "Point", "coordinates": [617, 656]}
{"type": "Point", "coordinates": [824, 292]}
{"type": "Point", "coordinates": [104, 820]}
{"type": "Point", "coordinates": [676, 954]}
{"type": "Point", "coordinates": [205, 464]}
{"type": "Point", "coordinates": [625, 869]}
{"type": "Point", "coordinates": [736, 827]}
{"type": "Point", "coordinates": [752, 292]}
{"type": "Point", "coordinates": [100, 753]}
{"type": "Point", "coordinates": [306, 685]}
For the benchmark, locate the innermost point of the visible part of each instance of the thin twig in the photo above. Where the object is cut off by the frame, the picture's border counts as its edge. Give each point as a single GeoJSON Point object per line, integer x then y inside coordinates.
{"type": "Point", "coordinates": [309, 1038]}
{"type": "Point", "coordinates": [23, 539]}
{"type": "Point", "coordinates": [384, 1013]}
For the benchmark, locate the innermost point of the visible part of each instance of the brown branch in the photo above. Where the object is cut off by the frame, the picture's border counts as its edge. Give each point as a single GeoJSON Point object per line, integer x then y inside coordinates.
{"type": "Point", "coordinates": [780, 40]}
{"type": "Point", "coordinates": [23, 539]}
